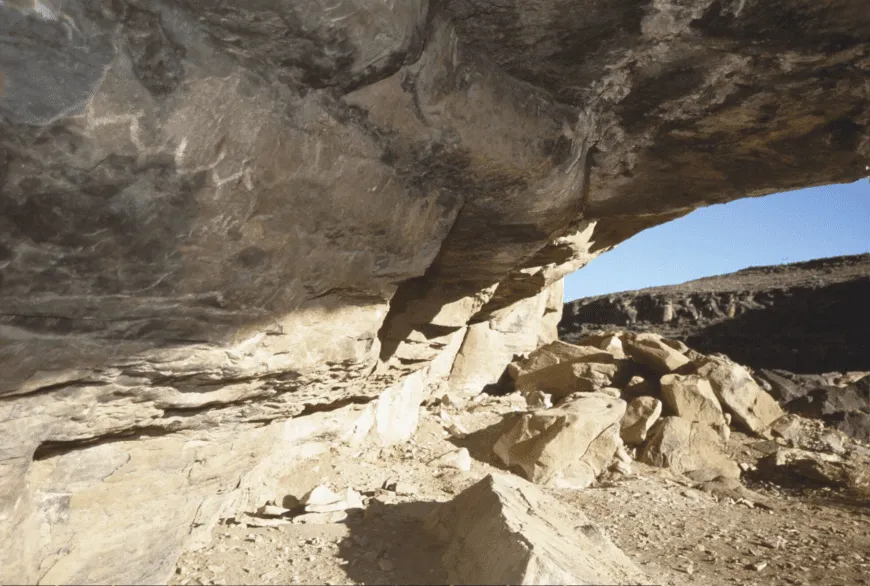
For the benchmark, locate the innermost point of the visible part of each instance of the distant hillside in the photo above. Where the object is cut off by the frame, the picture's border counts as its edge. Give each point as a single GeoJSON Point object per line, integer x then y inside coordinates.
{"type": "Point", "coordinates": [810, 316]}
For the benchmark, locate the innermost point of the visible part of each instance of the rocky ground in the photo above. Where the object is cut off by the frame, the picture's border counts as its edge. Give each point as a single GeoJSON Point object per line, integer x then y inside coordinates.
{"type": "Point", "coordinates": [762, 528]}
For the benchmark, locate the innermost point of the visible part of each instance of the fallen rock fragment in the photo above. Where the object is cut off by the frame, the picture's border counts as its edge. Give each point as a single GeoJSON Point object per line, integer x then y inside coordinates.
{"type": "Point", "coordinates": [272, 511]}
{"type": "Point", "coordinates": [321, 518]}
{"type": "Point", "coordinates": [322, 499]}
{"type": "Point", "coordinates": [569, 445]}
{"type": "Point", "coordinates": [265, 522]}
{"type": "Point", "coordinates": [753, 408]}
{"type": "Point", "coordinates": [558, 352]}
{"type": "Point", "coordinates": [732, 488]}
{"type": "Point", "coordinates": [401, 488]}
{"type": "Point", "coordinates": [651, 351]}
{"type": "Point", "coordinates": [539, 400]}
{"type": "Point", "coordinates": [503, 530]}
{"type": "Point", "coordinates": [690, 448]}
{"type": "Point", "coordinates": [459, 459]}
{"type": "Point", "coordinates": [691, 397]}
{"type": "Point", "coordinates": [566, 378]}
{"type": "Point", "coordinates": [829, 469]}
{"type": "Point", "coordinates": [640, 415]}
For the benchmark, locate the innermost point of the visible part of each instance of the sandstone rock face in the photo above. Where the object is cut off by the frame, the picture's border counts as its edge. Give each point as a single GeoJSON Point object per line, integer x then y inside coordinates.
{"type": "Point", "coordinates": [751, 315]}
{"type": "Point", "coordinates": [504, 530]}
{"type": "Point", "coordinates": [568, 445]}
{"type": "Point", "coordinates": [689, 448]}
{"type": "Point", "coordinates": [216, 217]}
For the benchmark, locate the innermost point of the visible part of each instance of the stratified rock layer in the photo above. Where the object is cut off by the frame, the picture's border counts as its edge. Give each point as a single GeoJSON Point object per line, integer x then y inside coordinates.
{"type": "Point", "coordinates": [217, 216]}
{"type": "Point", "coordinates": [803, 317]}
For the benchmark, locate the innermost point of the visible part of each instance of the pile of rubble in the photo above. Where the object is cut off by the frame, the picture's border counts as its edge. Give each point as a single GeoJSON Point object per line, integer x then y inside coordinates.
{"type": "Point", "coordinates": [595, 406]}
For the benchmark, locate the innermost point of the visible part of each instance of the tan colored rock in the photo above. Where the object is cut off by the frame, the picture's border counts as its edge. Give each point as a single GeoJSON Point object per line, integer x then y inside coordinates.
{"type": "Point", "coordinates": [752, 407]}
{"type": "Point", "coordinates": [677, 345]}
{"type": "Point", "coordinates": [566, 378]}
{"type": "Point", "coordinates": [692, 398]}
{"type": "Point", "coordinates": [490, 346]}
{"type": "Point", "coordinates": [559, 352]}
{"type": "Point", "coordinates": [459, 459]}
{"type": "Point", "coordinates": [397, 411]}
{"type": "Point", "coordinates": [557, 446]}
{"type": "Point", "coordinates": [651, 351]}
{"type": "Point", "coordinates": [638, 386]}
{"type": "Point", "coordinates": [323, 518]}
{"type": "Point", "coordinates": [689, 448]}
{"type": "Point", "coordinates": [504, 530]}
{"type": "Point", "coordinates": [640, 415]}
{"type": "Point", "coordinates": [610, 391]}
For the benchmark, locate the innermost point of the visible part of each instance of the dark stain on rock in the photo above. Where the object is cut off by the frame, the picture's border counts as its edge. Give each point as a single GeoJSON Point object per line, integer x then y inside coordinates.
{"type": "Point", "coordinates": [558, 149]}
{"type": "Point", "coordinates": [157, 59]}
{"type": "Point", "coordinates": [651, 92]}
{"type": "Point", "coordinates": [252, 257]}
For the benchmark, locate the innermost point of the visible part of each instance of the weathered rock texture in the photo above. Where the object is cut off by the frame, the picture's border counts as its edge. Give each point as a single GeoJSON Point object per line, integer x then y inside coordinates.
{"type": "Point", "coordinates": [504, 530]}
{"type": "Point", "coordinates": [802, 317]}
{"type": "Point", "coordinates": [219, 215]}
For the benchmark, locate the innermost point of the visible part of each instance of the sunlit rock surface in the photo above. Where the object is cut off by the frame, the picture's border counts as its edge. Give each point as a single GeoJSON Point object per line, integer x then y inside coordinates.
{"type": "Point", "coordinates": [219, 220]}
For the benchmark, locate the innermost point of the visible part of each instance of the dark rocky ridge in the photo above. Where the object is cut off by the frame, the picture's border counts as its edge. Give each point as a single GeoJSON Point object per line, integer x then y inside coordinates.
{"type": "Point", "coordinates": [806, 317]}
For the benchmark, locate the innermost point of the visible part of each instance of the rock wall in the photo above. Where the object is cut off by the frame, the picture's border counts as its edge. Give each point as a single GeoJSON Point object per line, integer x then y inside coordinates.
{"type": "Point", "coordinates": [219, 218]}
{"type": "Point", "coordinates": [805, 317]}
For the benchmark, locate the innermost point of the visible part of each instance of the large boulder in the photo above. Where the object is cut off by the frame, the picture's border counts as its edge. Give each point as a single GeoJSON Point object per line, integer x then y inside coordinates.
{"type": "Point", "coordinates": [565, 446]}
{"type": "Point", "coordinates": [654, 353]}
{"type": "Point", "coordinates": [640, 415]}
{"type": "Point", "coordinates": [586, 374]}
{"type": "Point", "coordinates": [688, 447]}
{"type": "Point", "coordinates": [691, 397]}
{"type": "Point", "coordinates": [504, 530]}
{"type": "Point", "coordinates": [559, 352]}
{"type": "Point", "coordinates": [216, 218]}
{"type": "Point", "coordinates": [751, 406]}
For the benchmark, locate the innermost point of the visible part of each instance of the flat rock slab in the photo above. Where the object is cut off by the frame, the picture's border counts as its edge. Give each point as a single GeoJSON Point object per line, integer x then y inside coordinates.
{"type": "Point", "coordinates": [653, 352]}
{"type": "Point", "coordinates": [504, 530]}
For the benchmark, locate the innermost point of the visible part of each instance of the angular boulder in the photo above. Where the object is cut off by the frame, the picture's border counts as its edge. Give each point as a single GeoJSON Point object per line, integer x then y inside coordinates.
{"type": "Point", "coordinates": [556, 353]}
{"type": "Point", "coordinates": [752, 407]}
{"type": "Point", "coordinates": [691, 397]}
{"type": "Point", "coordinates": [504, 530]}
{"type": "Point", "coordinates": [579, 376]}
{"type": "Point", "coordinates": [689, 448]}
{"type": "Point", "coordinates": [824, 468]}
{"type": "Point", "coordinates": [640, 415]}
{"type": "Point", "coordinates": [653, 352]}
{"type": "Point", "coordinates": [569, 445]}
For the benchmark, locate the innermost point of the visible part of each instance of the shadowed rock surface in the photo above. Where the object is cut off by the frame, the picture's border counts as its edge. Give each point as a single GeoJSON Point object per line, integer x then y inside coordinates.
{"type": "Point", "coordinates": [223, 223]}
{"type": "Point", "coordinates": [802, 317]}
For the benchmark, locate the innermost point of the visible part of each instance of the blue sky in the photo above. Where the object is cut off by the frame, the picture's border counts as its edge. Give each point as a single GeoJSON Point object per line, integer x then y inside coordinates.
{"type": "Point", "coordinates": [798, 225]}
